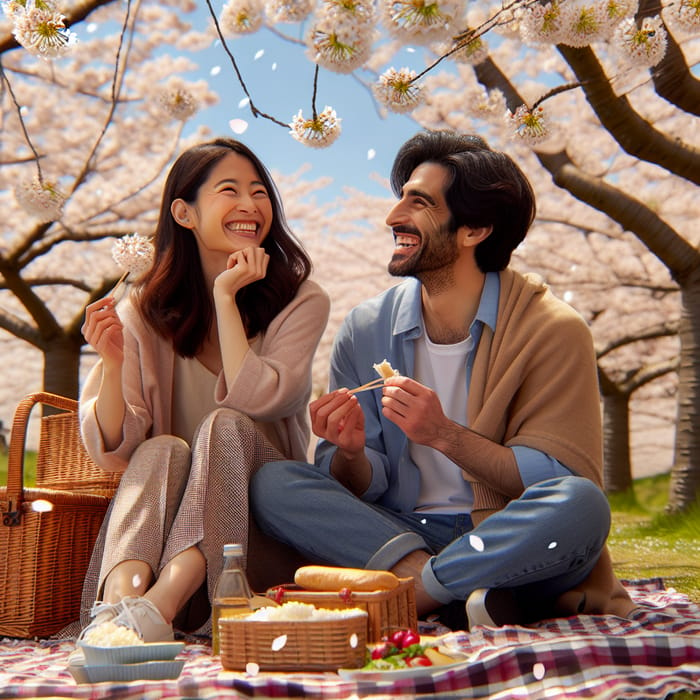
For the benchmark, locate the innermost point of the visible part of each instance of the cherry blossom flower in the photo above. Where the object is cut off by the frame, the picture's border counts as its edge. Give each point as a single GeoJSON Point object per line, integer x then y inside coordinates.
{"type": "Point", "coordinates": [422, 21]}
{"type": "Point", "coordinates": [319, 132]}
{"type": "Point", "coordinates": [41, 199]}
{"type": "Point", "coordinates": [133, 253]}
{"type": "Point", "coordinates": [177, 101]}
{"type": "Point", "coordinates": [541, 24]}
{"type": "Point", "coordinates": [341, 37]}
{"type": "Point", "coordinates": [397, 91]}
{"type": "Point", "coordinates": [470, 51]}
{"type": "Point", "coordinates": [242, 17]}
{"type": "Point", "coordinates": [530, 124]}
{"type": "Point", "coordinates": [643, 46]}
{"type": "Point", "coordinates": [288, 10]}
{"type": "Point", "coordinates": [338, 49]}
{"type": "Point", "coordinates": [42, 32]}
{"type": "Point", "coordinates": [488, 105]}
{"type": "Point", "coordinates": [582, 24]}
{"type": "Point", "coordinates": [685, 15]}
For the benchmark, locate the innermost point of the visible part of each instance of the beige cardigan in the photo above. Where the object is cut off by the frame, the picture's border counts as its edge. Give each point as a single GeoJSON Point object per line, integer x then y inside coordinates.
{"type": "Point", "coordinates": [556, 408]}
{"type": "Point", "coordinates": [273, 385]}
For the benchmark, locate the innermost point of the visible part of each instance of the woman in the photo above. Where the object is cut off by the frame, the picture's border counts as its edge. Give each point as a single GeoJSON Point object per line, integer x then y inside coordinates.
{"type": "Point", "coordinates": [204, 374]}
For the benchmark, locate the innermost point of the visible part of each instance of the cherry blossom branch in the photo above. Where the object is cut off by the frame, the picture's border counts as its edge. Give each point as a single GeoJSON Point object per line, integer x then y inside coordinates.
{"type": "Point", "coordinates": [256, 112]}
{"type": "Point", "coordinates": [27, 138]}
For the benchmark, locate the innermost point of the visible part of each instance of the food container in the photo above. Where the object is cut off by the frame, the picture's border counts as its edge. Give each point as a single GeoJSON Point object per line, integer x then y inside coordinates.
{"type": "Point", "coordinates": [299, 645]}
{"type": "Point", "coordinates": [387, 610]}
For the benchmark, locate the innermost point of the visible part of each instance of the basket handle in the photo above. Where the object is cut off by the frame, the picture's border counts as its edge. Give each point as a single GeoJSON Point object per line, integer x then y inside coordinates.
{"type": "Point", "coordinates": [15, 453]}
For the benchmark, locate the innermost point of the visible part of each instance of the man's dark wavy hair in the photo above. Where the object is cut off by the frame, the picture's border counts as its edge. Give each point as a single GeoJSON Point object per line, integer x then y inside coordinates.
{"type": "Point", "coordinates": [485, 188]}
{"type": "Point", "coordinates": [174, 298]}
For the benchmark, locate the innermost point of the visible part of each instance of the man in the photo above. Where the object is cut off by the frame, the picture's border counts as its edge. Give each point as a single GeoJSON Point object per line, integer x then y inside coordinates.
{"type": "Point", "coordinates": [477, 470]}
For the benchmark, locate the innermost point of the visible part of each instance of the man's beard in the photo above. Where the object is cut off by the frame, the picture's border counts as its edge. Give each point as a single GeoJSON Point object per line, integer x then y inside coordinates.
{"type": "Point", "coordinates": [433, 257]}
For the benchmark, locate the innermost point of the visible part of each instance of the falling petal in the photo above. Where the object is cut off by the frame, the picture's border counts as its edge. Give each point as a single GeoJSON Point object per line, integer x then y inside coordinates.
{"type": "Point", "coordinates": [136, 580]}
{"type": "Point", "coordinates": [410, 49]}
{"type": "Point", "coordinates": [259, 54]}
{"type": "Point", "coordinates": [244, 102]}
{"type": "Point", "coordinates": [274, 66]}
{"type": "Point", "coordinates": [91, 28]}
{"type": "Point", "coordinates": [238, 126]}
{"type": "Point", "coordinates": [371, 154]}
{"type": "Point", "coordinates": [215, 70]}
{"type": "Point", "coordinates": [42, 506]}
{"type": "Point", "coordinates": [423, 521]}
{"type": "Point", "coordinates": [538, 671]}
{"type": "Point", "coordinates": [252, 669]}
{"type": "Point", "coordinates": [353, 641]}
{"type": "Point", "coordinates": [551, 545]}
{"type": "Point", "coordinates": [476, 542]}
{"type": "Point", "coordinates": [279, 642]}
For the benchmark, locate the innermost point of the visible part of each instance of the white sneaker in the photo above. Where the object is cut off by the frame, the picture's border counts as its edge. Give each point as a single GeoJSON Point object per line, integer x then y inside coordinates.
{"type": "Point", "coordinates": [140, 615]}
{"type": "Point", "coordinates": [135, 613]}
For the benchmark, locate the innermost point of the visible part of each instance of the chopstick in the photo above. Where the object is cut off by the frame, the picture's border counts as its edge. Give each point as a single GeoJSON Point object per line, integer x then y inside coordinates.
{"type": "Point", "coordinates": [374, 384]}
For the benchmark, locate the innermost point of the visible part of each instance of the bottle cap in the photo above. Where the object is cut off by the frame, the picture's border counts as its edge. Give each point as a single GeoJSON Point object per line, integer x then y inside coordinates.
{"type": "Point", "coordinates": [231, 549]}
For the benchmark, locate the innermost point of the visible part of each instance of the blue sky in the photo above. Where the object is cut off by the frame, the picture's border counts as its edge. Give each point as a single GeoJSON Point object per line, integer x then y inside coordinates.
{"type": "Point", "coordinates": [279, 78]}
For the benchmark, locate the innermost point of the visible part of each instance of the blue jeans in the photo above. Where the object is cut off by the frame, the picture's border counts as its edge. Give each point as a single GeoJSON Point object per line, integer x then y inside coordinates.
{"type": "Point", "coordinates": [540, 545]}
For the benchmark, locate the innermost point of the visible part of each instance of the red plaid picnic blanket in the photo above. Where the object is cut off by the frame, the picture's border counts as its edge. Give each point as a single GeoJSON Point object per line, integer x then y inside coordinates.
{"type": "Point", "coordinates": [603, 657]}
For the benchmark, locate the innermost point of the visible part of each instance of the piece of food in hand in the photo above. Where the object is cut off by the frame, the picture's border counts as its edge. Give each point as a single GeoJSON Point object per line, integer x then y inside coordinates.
{"type": "Point", "coordinates": [405, 649]}
{"type": "Point", "coordinates": [336, 578]}
{"type": "Point", "coordinates": [385, 370]}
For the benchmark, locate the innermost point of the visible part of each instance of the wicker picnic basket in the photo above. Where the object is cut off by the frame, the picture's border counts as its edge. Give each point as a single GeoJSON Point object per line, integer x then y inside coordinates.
{"type": "Point", "coordinates": [48, 532]}
{"type": "Point", "coordinates": [387, 610]}
{"type": "Point", "coordinates": [300, 645]}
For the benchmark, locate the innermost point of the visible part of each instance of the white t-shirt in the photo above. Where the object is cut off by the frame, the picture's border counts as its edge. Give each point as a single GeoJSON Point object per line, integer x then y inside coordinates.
{"type": "Point", "coordinates": [443, 368]}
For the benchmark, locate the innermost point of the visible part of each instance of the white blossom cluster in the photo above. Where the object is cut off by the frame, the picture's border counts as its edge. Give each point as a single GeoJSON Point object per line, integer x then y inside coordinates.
{"type": "Point", "coordinates": [39, 27]}
{"type": "Point", "coordinates": [133, 253]}
{"type": "Point", "coordinates": [41, 199]}
{"type": "Point", "coordinates": [318, 132]}
{"type": "Point", "coordinates": [397, 91]}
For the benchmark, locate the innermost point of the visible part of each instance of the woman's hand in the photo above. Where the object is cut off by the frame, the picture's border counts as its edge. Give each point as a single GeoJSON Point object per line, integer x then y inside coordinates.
{"type": "Point", "coordinates": [103, 330]}
{"type": "Point", "coordinates": [243, 267]}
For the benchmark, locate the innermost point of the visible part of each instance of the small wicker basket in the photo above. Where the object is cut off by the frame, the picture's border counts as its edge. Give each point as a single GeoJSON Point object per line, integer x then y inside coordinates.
{"type": "Point", "coordinates": [387, 610]}
{"type": "Point", "coordinates": [301, 645]}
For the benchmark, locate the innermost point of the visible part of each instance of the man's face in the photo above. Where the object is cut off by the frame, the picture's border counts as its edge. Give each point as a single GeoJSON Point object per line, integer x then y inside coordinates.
{"type": "Point", "coordinates": [421, 224]}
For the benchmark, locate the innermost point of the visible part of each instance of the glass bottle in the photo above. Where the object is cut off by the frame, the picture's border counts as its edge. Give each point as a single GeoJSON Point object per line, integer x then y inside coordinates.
{"type": "Point", "coordinates": [232, 595]}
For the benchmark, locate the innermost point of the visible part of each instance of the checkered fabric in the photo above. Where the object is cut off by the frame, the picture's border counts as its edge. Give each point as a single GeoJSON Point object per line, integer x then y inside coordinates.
{"type": "Point", "coordinates": [601, 657]}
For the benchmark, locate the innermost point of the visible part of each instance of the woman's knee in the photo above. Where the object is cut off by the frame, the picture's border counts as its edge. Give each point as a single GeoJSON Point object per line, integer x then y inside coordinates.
{"type": "Point", "coordinates": [156, 452]}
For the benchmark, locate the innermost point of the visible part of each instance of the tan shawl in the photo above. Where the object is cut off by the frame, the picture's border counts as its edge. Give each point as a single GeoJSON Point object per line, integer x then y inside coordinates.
{"type": "Point", "coordinates": [534, 383]}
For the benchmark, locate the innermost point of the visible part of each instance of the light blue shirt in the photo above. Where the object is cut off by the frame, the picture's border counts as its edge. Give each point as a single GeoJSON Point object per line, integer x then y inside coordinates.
{"type": "Point", "coordinates": [385, 327]}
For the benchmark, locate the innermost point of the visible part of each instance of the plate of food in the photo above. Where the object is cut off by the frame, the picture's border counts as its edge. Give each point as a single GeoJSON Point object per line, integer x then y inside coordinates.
{"type": "Point", "coordinates": [405, 654]}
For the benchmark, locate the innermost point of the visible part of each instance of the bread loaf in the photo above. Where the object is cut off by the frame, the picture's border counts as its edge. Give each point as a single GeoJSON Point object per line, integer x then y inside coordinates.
{"type": "Point", "coordinates": [334, 578]}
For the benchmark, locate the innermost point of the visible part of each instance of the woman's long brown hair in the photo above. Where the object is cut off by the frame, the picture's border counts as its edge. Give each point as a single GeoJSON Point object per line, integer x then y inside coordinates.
{"type": "Point", "coordinates": [174, 299]}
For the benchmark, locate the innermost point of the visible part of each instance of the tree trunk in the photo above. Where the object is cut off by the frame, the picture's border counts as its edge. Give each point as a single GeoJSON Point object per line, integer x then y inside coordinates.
{"type": "Point", "coordinates": [685, 474]}
{"type": "Point", "coordinates": [62, 366]}
{"type": "Point", "coordinates": [617, 465]}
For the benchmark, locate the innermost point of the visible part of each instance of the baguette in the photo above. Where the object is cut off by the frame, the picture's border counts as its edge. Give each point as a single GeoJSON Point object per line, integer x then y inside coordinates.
{"type": "Point", "coordinates": [334, 578]}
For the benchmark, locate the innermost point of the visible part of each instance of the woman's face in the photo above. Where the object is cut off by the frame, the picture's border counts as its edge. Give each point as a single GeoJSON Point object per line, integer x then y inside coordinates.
{"type": "Point", "coordinates": [232, 210]}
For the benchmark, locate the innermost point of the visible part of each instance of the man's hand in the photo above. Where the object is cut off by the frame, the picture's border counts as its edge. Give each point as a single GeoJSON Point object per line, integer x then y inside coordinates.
{"type": "Point", "coordinates": [338, 418]}
{"type": "Point", "coordinates": [415, 409]}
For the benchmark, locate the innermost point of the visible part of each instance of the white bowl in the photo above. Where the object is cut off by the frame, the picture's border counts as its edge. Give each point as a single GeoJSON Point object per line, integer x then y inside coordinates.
{"type": "Point", "coordinates": [132, 654]}
{"type": "Point", "coordinates": [125, 673]}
